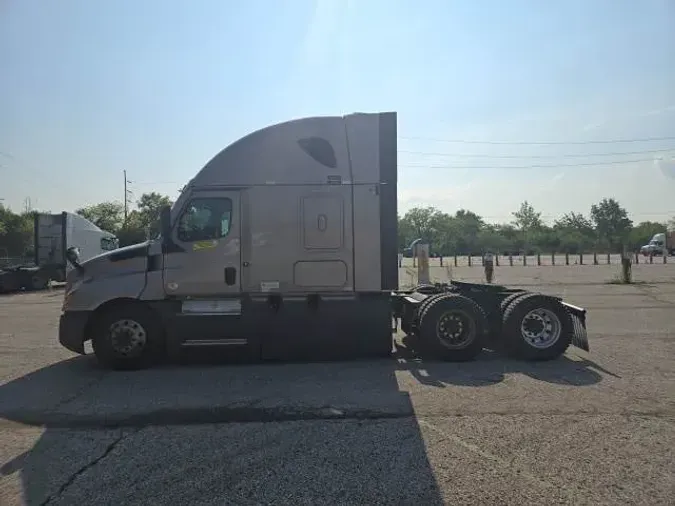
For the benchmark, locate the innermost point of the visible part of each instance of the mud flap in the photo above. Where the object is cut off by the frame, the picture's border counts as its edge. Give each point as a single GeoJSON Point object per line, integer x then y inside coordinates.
{"type": "Point", "coordinates": [580, 337]}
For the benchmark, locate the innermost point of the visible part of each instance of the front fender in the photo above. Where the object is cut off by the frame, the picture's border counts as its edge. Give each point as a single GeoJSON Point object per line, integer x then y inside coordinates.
{"type": "Point", "coordinates": [89, 294]}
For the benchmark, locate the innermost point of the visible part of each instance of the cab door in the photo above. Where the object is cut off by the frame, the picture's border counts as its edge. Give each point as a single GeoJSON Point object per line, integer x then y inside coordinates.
{"type": "Point", "coordinates": [202, 275]}
{"type": "Point", "coordinates": [203, 258]}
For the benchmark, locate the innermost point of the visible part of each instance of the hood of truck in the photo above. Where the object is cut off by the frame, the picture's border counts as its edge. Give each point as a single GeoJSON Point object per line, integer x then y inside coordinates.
{"type": "Point", "coordinates": [125, 260]}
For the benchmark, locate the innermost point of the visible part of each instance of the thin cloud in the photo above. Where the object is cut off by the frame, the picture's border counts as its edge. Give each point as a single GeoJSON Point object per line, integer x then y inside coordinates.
{"type": "Point", "coordinates": [666, 165]}
{"type": "Point", "coordinates": [322, 29]}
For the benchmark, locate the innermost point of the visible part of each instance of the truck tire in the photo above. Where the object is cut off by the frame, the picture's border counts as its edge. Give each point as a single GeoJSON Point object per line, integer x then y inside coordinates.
{"type": "Point", "coordinates": [509, 299]}
{"type": "Point", "coordinates": [128, 337]}
{"type": "Point", "coordinates": [420, 310]}
{"type": "Point", "coordinates": [60, 275]}
{"type": "Point", "coordinates": [453, 327]}
{"type": "Point", "coordinates": [536, 327]}
{"type": "Point", "coordinates": [38, 282]}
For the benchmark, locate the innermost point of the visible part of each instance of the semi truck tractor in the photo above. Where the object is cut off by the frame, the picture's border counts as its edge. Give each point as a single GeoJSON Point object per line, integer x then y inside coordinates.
{"type": "Point", "coordinates": [284, 245]}
{"type": "Point", "coordinates": [54, 234]}
{"type": "Point", "coordinates": [661, 244]}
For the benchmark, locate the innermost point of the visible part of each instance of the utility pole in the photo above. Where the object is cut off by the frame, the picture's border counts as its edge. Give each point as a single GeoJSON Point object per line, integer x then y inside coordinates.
{"type": "Point", "coordinates": [127, 193]}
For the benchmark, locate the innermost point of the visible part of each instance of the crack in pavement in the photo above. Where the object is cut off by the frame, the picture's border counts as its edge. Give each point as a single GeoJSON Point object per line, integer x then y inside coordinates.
{"type": "Point", "coordinates": [516, 470]}
{"type": "Point", "coordinates": [71, 479]}
{"type": "Point", "coordinates": [654, 297]}
{"type": "Point", "coordinates": [229, 415]}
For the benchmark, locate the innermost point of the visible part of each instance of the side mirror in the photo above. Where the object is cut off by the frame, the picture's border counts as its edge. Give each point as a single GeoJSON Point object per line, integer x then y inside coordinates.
{"type": "Point", "coordinates": [165, 222]}
{"type": "Point", "coordinates": [73, 257]}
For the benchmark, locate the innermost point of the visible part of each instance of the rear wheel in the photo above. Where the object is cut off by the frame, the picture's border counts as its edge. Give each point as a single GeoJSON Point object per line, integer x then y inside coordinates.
{"type": "Point", "coordinates": [537, 327]}
{"type": "Point", "coordinates": [128, 337]}
{"type": "Point", "coordinates": [509, 299]}
{"type": "Point", "coordinates": [453, 328]}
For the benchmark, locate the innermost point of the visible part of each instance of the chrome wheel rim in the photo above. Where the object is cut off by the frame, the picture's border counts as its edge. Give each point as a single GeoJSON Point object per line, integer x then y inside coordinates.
{"type": "Point", "coordinates": [541, 328]}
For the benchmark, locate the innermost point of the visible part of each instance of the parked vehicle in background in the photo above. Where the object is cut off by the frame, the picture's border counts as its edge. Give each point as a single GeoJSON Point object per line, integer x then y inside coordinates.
{"type": "Point", "coordinates": [53, 235]}
{"type": "Point", "coordinates": [660, 243]}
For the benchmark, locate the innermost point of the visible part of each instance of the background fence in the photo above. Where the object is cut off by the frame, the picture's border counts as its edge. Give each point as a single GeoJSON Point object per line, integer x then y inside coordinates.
{"type": "Point", "coordinates": [543, 259]}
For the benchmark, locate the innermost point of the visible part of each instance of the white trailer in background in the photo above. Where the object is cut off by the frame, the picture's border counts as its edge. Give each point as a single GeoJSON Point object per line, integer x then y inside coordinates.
{"type": "Point", "coordinates": [53, 235]}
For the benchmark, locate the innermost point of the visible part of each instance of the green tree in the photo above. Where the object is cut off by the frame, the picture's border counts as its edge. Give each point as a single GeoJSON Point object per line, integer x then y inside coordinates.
{"type": "Point", "coordinates": [143, 222]}
{"type": "Point", "coordinates": [108, 216]}
{"type": "Point", "coordinates": [575, 232]}
{"type": "Point", "coordinates": [16, 232]}
{"type": "Point", "coordinates": [575, 221]}
{"type": "Point", "coordinates": [526, 218]}
{"type": "Point", "coordinates": [421, 222]}
{"type": "Point", "coordinates": [611, 222]}
{"type": "Point", "coordinates": [149, 208]}
{"type": "Point", "coordinates": [468, 227]}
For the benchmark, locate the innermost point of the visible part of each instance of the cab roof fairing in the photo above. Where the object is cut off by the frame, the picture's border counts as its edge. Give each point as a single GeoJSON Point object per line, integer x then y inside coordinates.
{"type": "Point", "coordinates": [290, 152]}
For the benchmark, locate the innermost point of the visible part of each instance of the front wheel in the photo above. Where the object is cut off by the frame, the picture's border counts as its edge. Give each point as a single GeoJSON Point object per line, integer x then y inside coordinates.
{"type": "Point", "coordinates": [537, 327]}
{"type": "Point", "coordinates": [128, 337]}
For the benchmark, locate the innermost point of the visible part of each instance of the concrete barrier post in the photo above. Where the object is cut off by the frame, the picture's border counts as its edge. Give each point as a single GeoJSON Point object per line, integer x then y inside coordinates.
{"type": "Point", "coordinates": [595, 258]}
{"type": "Point", "coordinates": [552, 258]}
{"type": "Point", "coordinates": [510, 259]}
{"type": "Point", "coordinates": [488, 266]}
{"type": "Point", "coordinates": [626, 270]}
{"type": "Point", "coordinates": [422, 251]}
{"type": "Point", "coordinates": [609, 258]}
{"type": "Point", "coordinates": [455, 260]}
{"type": "Point", "coordinates": [567, 258]}
{"type": "Point", "coordinates": [469, 260]}
{"type": "Point", "coordinates": [581, 259]}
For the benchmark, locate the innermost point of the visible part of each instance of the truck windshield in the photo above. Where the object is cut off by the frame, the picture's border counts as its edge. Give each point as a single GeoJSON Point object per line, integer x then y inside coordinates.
{"type": "Point", "coordinates": [109, 243]}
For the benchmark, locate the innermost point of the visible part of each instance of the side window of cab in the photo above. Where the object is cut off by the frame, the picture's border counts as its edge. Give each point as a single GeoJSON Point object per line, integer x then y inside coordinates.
{"type": "Point", "coordinates": [205, 219]}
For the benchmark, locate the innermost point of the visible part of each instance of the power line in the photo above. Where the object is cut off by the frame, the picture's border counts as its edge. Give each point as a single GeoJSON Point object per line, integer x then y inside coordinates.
{"type": "Point", "coordinates": [542, 143]}
{"type": "Point", "coordinates": [485, 167]}
{"type": "Point", "coordinates": [551, 166]}
{"type": "Point", "coordinates": [566, 155]}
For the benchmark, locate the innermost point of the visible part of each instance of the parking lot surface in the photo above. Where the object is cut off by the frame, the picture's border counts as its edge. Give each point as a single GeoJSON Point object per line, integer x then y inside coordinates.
{"type": "Point", "coordinates": [590, 428]}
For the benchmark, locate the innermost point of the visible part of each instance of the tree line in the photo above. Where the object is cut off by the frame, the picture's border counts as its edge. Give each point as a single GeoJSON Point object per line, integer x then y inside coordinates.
{"type": "Point", "coordinates": [607, 228]}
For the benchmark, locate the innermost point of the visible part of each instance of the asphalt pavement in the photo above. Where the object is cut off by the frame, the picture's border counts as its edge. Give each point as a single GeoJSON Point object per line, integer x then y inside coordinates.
{"type": "Point", "coordinates": [590, 428]}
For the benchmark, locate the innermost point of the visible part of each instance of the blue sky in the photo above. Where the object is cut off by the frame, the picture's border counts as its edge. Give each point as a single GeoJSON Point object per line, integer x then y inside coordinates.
{"type": "Point", "coordinates": [88, 89]}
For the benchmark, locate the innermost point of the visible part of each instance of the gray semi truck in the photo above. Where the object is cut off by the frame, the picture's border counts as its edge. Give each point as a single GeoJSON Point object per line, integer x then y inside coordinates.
{"type": "Point", "coordinates": [284, 245]}
{"type": "Point", "coordinates": [53, 235]}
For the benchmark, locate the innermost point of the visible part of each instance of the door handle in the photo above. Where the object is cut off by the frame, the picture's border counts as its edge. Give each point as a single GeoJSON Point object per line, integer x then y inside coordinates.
{"type": "Point", "coordinates": [230, 276]}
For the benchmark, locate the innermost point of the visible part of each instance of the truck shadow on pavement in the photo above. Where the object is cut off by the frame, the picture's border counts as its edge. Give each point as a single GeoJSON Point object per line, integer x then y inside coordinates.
{"type": "Point", "coordinates": [311, 433]}
{"type": "Point", "coordinates": [492, 367]}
